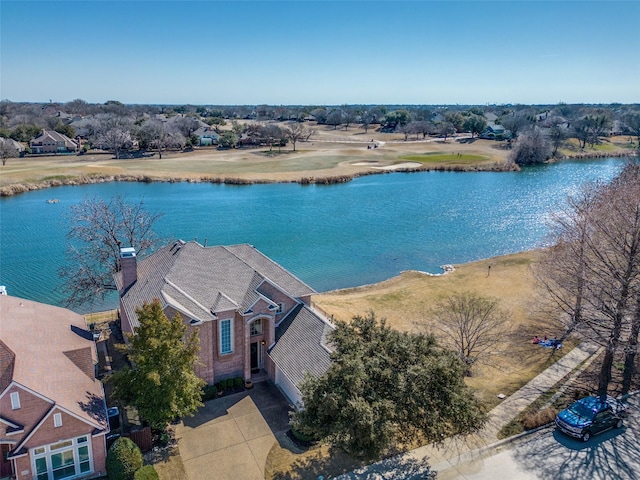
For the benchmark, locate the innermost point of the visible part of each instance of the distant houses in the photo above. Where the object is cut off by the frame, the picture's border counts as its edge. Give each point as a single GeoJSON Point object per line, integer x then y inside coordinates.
{"type": "Point", "coordinates": [494, 131]}
{"type": "Point", "coordinates": [50, 141]}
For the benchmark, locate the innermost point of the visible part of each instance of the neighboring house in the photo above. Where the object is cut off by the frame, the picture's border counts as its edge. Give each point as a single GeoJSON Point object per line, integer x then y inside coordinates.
{"type": "Point", "coordinates": [253, 317]}
{"type": "Point", "coordinates": [206, 136]}
{"type": "Point", "coordinates": [84, 127]}
{"type": "Point", "coordinates": [50, 141]}
{"type": "Point", "coordinates": [494, 131]}
{"type": "Point", "coordinates": [10, 147]}
{"type": "Point", "coordinates": [53, 417]}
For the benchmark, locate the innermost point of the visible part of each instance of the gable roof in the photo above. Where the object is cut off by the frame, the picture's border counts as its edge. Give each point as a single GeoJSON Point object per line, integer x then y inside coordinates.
{"type": "Point", "coordinates": [47, 348]}
{"type": "Point", "coordinates": [199, 281]}
{"type": "Point", "coordinates": [55, 136]}
{"type": "Point", "coordinates": [301, 345]}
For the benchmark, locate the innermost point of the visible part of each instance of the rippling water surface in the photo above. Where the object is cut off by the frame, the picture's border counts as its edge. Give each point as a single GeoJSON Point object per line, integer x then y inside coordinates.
{"type": "Point", "coordinates": [330, 236]}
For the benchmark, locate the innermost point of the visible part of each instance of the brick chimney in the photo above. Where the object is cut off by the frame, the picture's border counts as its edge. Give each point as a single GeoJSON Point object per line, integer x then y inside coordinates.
{"type": "Point", "coordinates": [129, 267]}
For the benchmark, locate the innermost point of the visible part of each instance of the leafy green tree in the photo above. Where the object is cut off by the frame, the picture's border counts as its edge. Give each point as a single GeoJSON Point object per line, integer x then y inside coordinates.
{"type": "Point", "coordinates": [25, 132]}
{"type": "Point", "coordinates": [216, 123]}
{"type": "Point", "coordinates": [395, 119]}
{"type": "Point", "coordinates": [65, 129]}
{"type": "Point", "coordinates": [456, 119]}
{"type": "Point", "coordinates": [474, 124]}
{"type": "Point", "coordinates": [386, 386]}
{"type": "Point", "coordinates": [161, 382]}
{"type": "Point", "coordinates": [123, 459]}
{"type": "Point", "coordinates": [228, 140]}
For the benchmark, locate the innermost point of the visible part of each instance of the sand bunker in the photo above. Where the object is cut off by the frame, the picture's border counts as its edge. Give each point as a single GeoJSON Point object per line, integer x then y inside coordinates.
{"type": "Point", "coordinates": [399, 166]}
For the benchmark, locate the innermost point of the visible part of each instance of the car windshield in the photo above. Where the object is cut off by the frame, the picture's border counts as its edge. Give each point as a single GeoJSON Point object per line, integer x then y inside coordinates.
{"type": "Point", "coordinates": [581, 410]}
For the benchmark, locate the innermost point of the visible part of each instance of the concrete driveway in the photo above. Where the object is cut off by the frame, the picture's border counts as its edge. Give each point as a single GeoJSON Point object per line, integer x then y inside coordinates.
{"type": "Point", "coordinates": [230, 437]}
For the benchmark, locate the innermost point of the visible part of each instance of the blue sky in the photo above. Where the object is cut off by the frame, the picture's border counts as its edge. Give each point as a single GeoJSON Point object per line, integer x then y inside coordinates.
{"type": "Point", "coordinates": [321, 52]}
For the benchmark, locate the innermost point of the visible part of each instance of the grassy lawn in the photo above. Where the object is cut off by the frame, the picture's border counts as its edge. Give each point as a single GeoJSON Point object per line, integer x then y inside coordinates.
{"type": "Point", "coordinates": [329, 153]}
{"type": "Point", "coordinates": [406, 300]}
{"type": "Point", "coordinates": [447, 158]}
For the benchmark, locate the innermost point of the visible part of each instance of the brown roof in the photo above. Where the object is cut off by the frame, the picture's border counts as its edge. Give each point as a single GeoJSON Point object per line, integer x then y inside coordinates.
{"type": "Point", "coordinates": [198, 280]}
{"type": "Point", "coordinates": [48, 343]}
{"type": "Point", "coordinates": [56, 137]}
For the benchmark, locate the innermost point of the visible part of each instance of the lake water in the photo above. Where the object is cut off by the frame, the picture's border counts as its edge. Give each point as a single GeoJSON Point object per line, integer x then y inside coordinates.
{"type": "Point", "coordinates": [331, 237]}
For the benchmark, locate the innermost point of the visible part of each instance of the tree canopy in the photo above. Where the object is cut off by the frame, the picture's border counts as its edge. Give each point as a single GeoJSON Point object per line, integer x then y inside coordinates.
{"type": "Point", "coordinates": [161, 382]}
{"type": "Point", "coordinates": [386, 387]}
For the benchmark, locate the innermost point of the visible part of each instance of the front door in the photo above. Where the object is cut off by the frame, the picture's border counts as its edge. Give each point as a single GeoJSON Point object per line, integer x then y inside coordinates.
{"type": "Point", "coordinates": [5, 465]}
{"type": "Point", "coordinates": [255, 366]}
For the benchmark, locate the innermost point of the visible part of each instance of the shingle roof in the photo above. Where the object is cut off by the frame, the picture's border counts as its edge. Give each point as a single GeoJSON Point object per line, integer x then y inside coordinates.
{"type": "Point", "coordinates": [55, 136]}
{"type": "Point", "coordinates": [48, 351]}
{"type": "Point", "coordinates": [199, 280]}
{"type": "Point", "coordinates": [301, 345]}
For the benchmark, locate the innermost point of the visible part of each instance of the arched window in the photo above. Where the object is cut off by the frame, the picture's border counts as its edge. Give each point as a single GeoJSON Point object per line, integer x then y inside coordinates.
{"type": "Point", "coordinates": [255, 327]}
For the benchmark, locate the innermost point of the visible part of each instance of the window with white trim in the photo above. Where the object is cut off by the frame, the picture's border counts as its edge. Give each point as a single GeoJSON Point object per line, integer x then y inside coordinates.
{"type": "Point", "coordinates": [57, 420]}
{"type": "Point", "coordinates": [280, 308]}
{"type": "Point", "coordinates": [225, 328]}
{"type": "Point", "coordinates": [15, 400]}
{"type": "Point", "coordinates": [65, 459]}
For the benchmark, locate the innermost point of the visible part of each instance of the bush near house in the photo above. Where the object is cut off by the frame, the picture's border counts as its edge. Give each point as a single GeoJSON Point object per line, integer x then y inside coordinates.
{"type": "Point", "coordinates": [146, 473]}
{"type": "Point", "coordinates": [124, 458]}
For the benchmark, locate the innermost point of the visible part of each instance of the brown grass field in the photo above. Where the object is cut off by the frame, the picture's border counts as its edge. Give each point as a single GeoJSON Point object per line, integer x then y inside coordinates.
{"type": "Point", "coordinates": [405, 302]}
{"type": "Point", "coordinates": [328, 153]}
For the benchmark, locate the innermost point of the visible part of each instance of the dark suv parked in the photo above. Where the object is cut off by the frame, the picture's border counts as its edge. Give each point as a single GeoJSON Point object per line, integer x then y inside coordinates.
{"type": "Point", "coordinates": [590, 416]}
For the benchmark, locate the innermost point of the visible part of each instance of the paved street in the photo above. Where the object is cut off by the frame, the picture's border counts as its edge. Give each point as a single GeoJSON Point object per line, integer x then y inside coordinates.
{"type": "Point", "coordinates": [548, 454]}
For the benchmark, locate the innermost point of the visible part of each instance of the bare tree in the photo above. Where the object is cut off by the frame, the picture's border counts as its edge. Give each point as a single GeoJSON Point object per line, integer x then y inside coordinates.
{"type": "Point", "coordinates": [599, 239]}
{"type": "Point", "coordinates": [114, 132]}
{"type": "Point", "coordinates": [295, 133]}
{"type": "Point", "coordinates": [531, 148]}
{"type": "Point", "coordinates": [445, 129]}
{"type": "Point", "coordinates": [98, 229]}
{"type": "Point", "coordinates": [515, 122]}
{"type": "Point", "coordinates": [335, 118]}
{"type": "Point", "coordinates": [557, 135]}
{"type": "Point", "coordinates": [8, 149]}
{"type": "Point", "coordinates": [473, 325]}
{"type": "Point", "coordinates": [156, 134]}
{"type": "Point", "coordinates": [632, 122]}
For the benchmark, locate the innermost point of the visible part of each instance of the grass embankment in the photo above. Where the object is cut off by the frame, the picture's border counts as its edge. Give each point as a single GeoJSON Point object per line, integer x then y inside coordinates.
{"type": "Point", "coordinates": [406, 300]}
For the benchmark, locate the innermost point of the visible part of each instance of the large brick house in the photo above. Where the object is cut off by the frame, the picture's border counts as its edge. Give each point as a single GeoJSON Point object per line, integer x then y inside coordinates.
{"type": "Point", "coordinates": [53, 417]}
{"type": "Point", "coordinates": [50, 141]}
{"type": "Point", "coordinates": [254, 318]}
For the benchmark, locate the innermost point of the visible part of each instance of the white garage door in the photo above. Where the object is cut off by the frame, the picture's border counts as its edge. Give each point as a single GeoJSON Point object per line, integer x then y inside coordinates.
{"type": "Point", "coordinates": [288, 388]}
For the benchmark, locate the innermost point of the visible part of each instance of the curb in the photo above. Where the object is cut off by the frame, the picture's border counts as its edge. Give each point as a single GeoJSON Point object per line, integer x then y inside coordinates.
{"type": "Point", "coordinates": [513, 439]}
